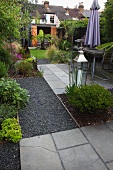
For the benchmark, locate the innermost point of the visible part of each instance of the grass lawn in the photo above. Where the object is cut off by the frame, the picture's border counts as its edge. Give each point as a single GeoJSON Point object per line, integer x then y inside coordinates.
{"type": "Point", "coordinates": [38, 53]}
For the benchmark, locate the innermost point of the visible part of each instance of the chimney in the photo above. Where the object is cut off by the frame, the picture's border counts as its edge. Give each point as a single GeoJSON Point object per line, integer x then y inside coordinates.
{"type": "Point", "coordinates": [76, 7]}
{"type": "Point", "coordinates": [81, 7]}
{"type": "Point", "coordinates": [67, 10]}
{"type": "Point", "coordinates": [46, 4]}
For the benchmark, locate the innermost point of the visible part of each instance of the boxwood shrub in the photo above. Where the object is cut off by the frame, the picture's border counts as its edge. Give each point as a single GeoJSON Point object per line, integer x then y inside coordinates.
{"type": "Point", "coordinates": [89, 98]}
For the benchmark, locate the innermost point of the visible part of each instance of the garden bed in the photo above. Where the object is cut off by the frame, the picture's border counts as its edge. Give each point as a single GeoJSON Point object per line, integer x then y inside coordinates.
{"type": "Point", "coordinates": [86, 119]}
{"type": "Point", "coordinates": [44, 114]}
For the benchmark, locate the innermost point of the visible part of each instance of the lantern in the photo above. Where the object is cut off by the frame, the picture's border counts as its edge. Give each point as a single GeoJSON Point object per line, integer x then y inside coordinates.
{"type": "Point", "coordinates": [78, 74]}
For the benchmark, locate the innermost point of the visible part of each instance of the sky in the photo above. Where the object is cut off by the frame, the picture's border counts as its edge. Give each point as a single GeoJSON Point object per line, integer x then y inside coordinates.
{"type": "Point", "coordinates": [72, 3]}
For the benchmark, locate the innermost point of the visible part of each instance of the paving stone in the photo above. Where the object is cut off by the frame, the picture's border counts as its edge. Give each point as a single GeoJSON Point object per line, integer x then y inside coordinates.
{"type": "Point", "coordinates": [51, 78]}
{"type": "Point", "coordinates": [69, 138]}
{"type": "Point", "coordinates": [47, 72]}
{"type": "Point", "coordinates": [60, 74]}
{"type": "Point", "coordinates": [110, 125]}
{"type": "Point", "coordinates": [56, 69]}
{"type": "Point", "coordinates": [101, 137]}
{"type": "Point", "coordinates": [110, 165]}
{"type": "Point", "coordinates": [50, 66]}
{"type": "Point", "coordinates": [59, 91]}
{"type": "Point", "coordinates": [81, 158]}
{"type": "Point", "coordinates": [65, 80]}
{"type": "Point", "coordinates": [39, 153]}
{"type": "Point", "coordinates": [56, 84]}
{"type": "Point", "coordinates": [42, 67]}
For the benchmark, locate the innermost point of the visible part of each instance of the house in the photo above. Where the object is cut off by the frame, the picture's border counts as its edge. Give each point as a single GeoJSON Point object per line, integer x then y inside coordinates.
{"type": "Point", "coordinates": [47, 17]}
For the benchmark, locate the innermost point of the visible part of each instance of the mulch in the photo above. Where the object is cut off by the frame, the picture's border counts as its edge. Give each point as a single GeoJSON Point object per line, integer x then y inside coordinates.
{"type": "Point", "coordinates": [86, 119]}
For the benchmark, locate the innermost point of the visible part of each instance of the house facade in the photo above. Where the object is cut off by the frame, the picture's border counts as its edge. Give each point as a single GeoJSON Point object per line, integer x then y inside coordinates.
{"type": "Point", "coordinates": [49, 17]}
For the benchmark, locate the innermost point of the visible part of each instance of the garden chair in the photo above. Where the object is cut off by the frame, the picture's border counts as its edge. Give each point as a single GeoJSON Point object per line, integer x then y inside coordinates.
{"type": "Point", "coordinates": [107, 61]}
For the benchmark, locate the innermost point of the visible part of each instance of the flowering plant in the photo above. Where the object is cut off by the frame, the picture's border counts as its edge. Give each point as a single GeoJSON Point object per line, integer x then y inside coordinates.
{"type": "Point", "coordinates": [111, 91]}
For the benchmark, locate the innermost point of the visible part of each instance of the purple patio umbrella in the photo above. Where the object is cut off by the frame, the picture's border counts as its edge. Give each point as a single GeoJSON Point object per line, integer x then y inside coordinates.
{"type": "Point", "coordinates": [92, 38]}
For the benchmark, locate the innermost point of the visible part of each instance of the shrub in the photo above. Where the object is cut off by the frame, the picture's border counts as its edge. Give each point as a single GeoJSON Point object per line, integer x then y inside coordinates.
{"type": "Point", "coordinates": [11, 130]}
{"type": "Point", "coordinates": [89, 98]}
{"type": "Point", "coordinates": [3, 70]}
{"type": "Point", "coordinates": [65, 45]}
{"type": "Point", "coordinates": [51, 52]}
{"type": "Point", "coordinates": [7, 111]}
{"type": "Point", "coordinates": [11, 93]}
{"type": "Point", "coordinates": [24, 67]}
{"type": "Point", "coordinates": [5, 56]}
{"type": "Point", "coordinates": [58, 56]}
{"type": "Point", "coordinates": [61, 57]}
{"type": "Point", "coordinates": [1, 136]}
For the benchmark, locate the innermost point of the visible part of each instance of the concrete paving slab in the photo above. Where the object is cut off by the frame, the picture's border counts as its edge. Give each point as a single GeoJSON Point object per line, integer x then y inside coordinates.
{"type": "Point", "coordinates": [69, 138]}
{"type": "Point", "coordinates": [65, 80]}
{"type": "Point", "coordinates": [59, 91]}
{"type": "Point", "coordinates": [81, 158]}
{"type": "Point", "coordinates": [42, 67]}
{"type": "Point", "coordinates": [101, 137]}
{"type": "Point", "coordinates": [51, 66]}
{"type": "Point", "coordinates": [47, 72]}
{"type": "Point", "coordinates": [39, 153]}
{"type": "Point", "coordinates": [56, 69]}
{"type": "Point", "coordinates": [110, 125]}
{"type": "Point", "coordinates": [51, 78]}
{"type": "Point", "coordinates": [56, 84]}
{"type": "Point", "coordinates": [110, 165]}
{"type": "Point", "coordinates": [60, 74]}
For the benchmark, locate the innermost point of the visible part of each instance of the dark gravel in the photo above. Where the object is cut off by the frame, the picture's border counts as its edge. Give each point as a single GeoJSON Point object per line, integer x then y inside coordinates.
{"type": "Point", "coordinates": [9, 156]}
{"type": "Point", "coordinates": [43, 61]}
{"type": "Point", "coordinates": [44, 114]}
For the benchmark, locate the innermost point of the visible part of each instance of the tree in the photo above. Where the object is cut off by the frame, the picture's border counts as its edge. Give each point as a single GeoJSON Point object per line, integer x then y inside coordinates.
{"type": "Point", "coordinates": [9, 19]}
{"type": "Point", "coordinates": [108, 14]}
{"type": "Point", "coordinates": [41, 37]}
{"type": "Point", "coordinates": [14, 19]}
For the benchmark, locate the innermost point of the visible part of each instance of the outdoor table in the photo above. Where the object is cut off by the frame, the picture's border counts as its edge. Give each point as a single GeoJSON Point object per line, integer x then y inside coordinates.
{"type": "Point", "coordinates": [81, 41]}
{"type": "Point", "coordinates": [95, 54]}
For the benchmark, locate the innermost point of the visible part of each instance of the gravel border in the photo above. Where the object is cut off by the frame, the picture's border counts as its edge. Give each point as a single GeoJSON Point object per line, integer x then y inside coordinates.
{"type": "Point", "coordinates": [44, 114]}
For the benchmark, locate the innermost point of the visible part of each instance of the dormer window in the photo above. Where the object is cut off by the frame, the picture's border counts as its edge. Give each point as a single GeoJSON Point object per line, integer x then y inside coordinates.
{"type": "Point", "coordinates": [51, 19]}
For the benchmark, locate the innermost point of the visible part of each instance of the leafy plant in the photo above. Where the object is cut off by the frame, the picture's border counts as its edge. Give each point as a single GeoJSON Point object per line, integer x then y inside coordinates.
{"type": "Point", "coordinates": [41, 37]}
{"type": "Point", "coordinates": [7, 111]}
{"type": "Point", "coordinates": [1, 136]}
{"type": "Point", "coordinates": [11, 93]}
{"type": "Point", "coordinates": [89, 98]}
{"type": "Point", "coordinates": [3, 70]}
{"type": "Point", "coordinates": [5, 56]}
{"type": "Point", "coordinates": [107, 46]}
{"type": "Point", "coordinates": [61, 57]}
{"type": "Point", "coordinates": [11, 130]}
{"type": "Point", "coordinates": [65, 45]}
{"type": "Point", "coordinates": [51, 52]}
{"type": "Point", "coordinates": [24, 67]}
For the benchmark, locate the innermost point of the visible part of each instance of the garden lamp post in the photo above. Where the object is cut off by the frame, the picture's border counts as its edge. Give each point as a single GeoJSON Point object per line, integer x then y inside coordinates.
{"type": "Point", "coordinates": [80, 69]}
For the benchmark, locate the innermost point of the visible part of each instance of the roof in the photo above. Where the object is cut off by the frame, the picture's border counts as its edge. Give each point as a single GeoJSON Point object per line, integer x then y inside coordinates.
{"type": "Point", "coordinates": [74, 13]}
{"type": "Point", "coordinates": [58, 10]}
{"type": "Point", "coordinates": [86, 13]}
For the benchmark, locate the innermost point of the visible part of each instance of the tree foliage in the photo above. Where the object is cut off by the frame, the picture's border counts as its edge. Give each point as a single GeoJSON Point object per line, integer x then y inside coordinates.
{"type": "Point", "coordinates": [14, 18]}
{"type": "Point", "coordinates": [9, 19]}
{"type": "Point", "coordinates": [70, 26]}
{"type": "Point", "coordinates": [108, 15]}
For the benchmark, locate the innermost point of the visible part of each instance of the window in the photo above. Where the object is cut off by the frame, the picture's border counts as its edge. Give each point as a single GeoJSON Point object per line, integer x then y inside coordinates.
{"type": "Point", "coordinates": [51, 19]}
{"type": "Point", "coordinates": [43, 20]}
